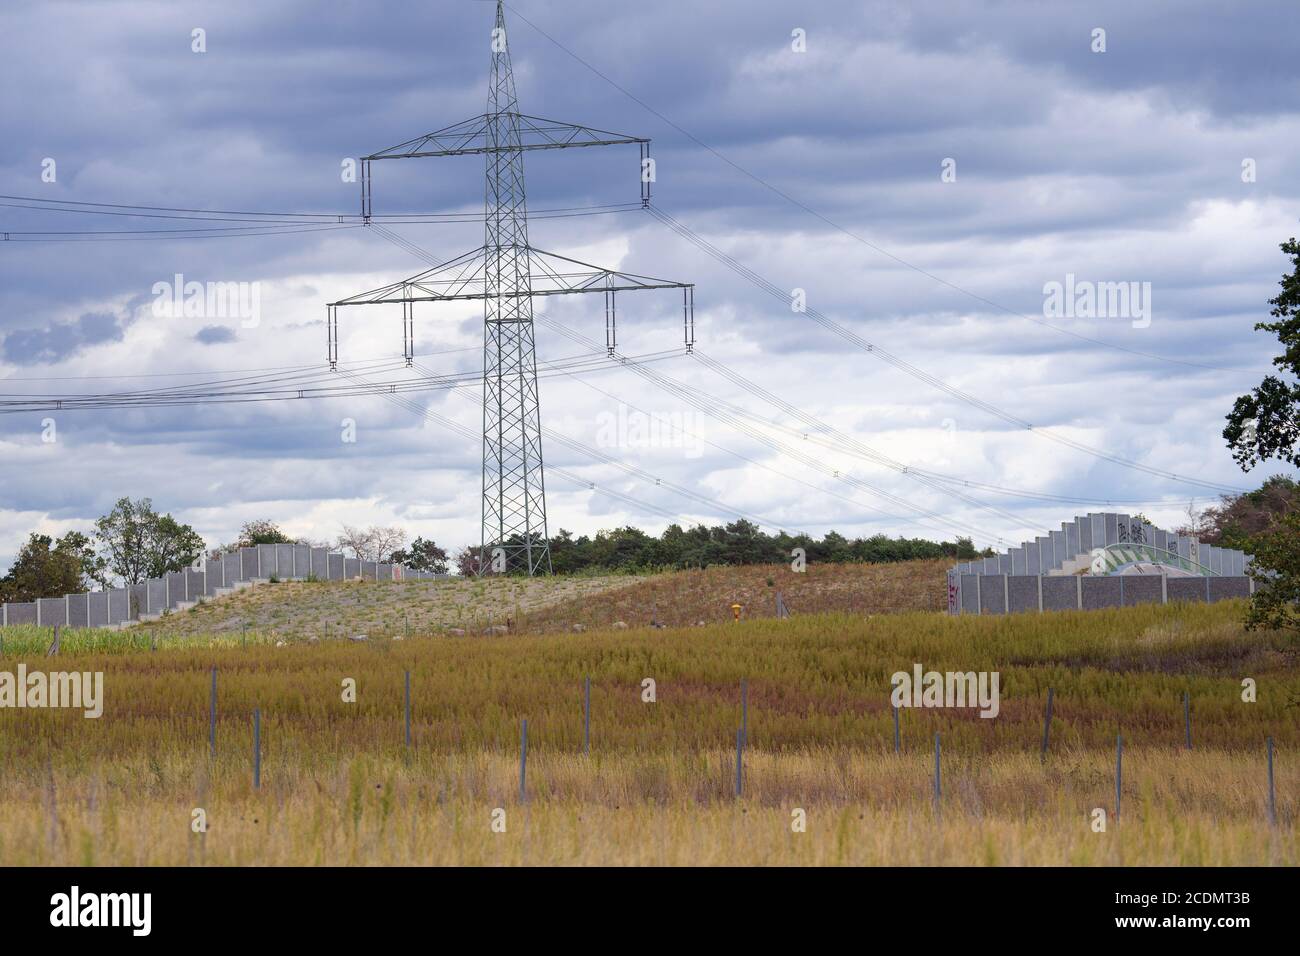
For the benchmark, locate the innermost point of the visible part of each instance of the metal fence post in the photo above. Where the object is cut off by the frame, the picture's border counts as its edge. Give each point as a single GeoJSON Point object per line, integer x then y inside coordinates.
{"type": "Point", "coordinates": [1047, 725]}
{"type": "Point", "coordinates": [740, 750]}
{"type": "Point", "coordinates": [212, 716]}
{"type": "Point", "coordinates": [586, 717]}
{"type": "Point", "coordinates": [257, 748]}
{"type": "Point", "coordinates": [744, 707]}
{"type": "Point", "coordinates": [523, 763]}
{"type": "Point", "coordinates": [938, 787]}
{"type": "Point", "coordinates": [1119, 773]}
{"type": "Point", "coordinates": [1272, 794]}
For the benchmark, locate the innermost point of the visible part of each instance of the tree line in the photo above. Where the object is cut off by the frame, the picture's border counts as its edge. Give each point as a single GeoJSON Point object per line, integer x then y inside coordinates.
{"type": "Point", "coordinates": [134, 542]}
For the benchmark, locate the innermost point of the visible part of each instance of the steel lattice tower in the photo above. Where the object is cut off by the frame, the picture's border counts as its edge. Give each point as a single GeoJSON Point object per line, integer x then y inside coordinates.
{"type": "Point", "coordinates": [507, 272]}
{"type": "Point", "coordinates": [514, 484]}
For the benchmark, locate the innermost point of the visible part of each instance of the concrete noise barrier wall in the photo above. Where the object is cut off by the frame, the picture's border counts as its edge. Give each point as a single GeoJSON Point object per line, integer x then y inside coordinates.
{"type": "Point", "coordinates": [211, 577]}
{"type": "Point", "coordinates": [1099, 560]}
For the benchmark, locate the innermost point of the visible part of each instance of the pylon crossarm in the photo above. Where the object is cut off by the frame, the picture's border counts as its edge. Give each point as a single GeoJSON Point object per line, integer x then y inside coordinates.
{"type": "Point", "coordinates": [466, 277]}
{"type": "Point", "coordinates": [450, 279]}
{"type": "Point", "coordinates": [472, 136]}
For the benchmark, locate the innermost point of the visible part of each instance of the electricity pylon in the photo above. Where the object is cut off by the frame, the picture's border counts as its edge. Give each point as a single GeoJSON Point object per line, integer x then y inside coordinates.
{"type": "Point", "coordinates": [506, 273]}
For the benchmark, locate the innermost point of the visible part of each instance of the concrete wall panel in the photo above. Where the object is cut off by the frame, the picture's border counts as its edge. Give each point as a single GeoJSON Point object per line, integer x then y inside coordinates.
{"type": "Point", "coordinates": [1186, 589]}
{"type": "Point", "coordinates": [51, 611]}
{"type": "Point", "coordinates": [993, 592]}
{"type": "Point", "coordinates": [157, 595]}
{"type": "Point", "coordinates": [1141, 589]}
{"type": "Point", "coordinates": [24, 612]}
{"type": "Point", "coordinates": [266, 554]}
{"type": "Point", "coordinates": [1099, 592]}
{"type": "Point", "coordinates": [99, 609]}
{"type": "Point", "coordinates": [78, 610]}
{"type": "Point", "coordinates": [1022, 592]}
{"type": "Point", "coordinates": [119, 605]}
{"type": "Point", "coordinates": [175, 589]}
{"type": "Point", "coordinates": [1060, 593]}
{"type": "Point", "coordinates": [1229, 587]}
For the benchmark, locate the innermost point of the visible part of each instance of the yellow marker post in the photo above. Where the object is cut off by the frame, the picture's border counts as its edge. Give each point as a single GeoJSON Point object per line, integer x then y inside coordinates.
{"type": "Point", "coordinates": [735, 611]}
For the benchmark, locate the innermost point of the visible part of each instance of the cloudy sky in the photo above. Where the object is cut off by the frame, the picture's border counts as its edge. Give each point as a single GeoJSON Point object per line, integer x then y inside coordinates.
{"type": "Point", "coordinates": [921, 172]}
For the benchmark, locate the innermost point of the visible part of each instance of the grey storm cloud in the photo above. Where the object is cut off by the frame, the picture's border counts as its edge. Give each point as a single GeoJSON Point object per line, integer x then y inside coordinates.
{"type": "Point", "coordinates": [216, 335]}
{"type": "Point", "coordinates": [60, 340]}
{"type": "Point", "coordinates": [818, 171]}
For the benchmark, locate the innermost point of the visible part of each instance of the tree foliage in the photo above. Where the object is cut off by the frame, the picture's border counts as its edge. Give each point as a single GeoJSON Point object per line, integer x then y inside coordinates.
{"type": "Point", "coordinates": [1266, 423]}
{"type": "Point", "coordinates": [630, 549]}
{"type": "Point", "coordinates": [422, 555]}
{"type": "Point", "coordinates": [46, 568]}
{"type": "Point", "coordinates": [1237, 519]}
{"type": "Point", "coordinates": [1276, 570]}
{"type": "Point", "coordinates": [138, 543]}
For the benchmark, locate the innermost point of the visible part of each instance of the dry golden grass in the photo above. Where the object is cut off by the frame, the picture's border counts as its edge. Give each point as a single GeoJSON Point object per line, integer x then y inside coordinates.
{"type": "Point", "coordinates": [339, 787]}
{"type": "Point", "coordinates": [297, 610]}
{"type": "Point", "coordinates": [861, 809]}
{"type": "Point", "coordinates": [683, 598]}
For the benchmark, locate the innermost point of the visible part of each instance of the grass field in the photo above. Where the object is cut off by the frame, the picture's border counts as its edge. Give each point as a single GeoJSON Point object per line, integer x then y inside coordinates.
{"type": "Point", "coordinates": [297, 610]}
{"type": "Point", "coordinates": [339, 786]}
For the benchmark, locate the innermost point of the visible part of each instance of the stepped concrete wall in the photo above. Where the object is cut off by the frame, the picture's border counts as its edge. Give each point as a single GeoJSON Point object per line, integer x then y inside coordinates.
{"type": "Point", "coordinates": [1042, 574]}
{"type": "Point", "coordinates": [211, 578]}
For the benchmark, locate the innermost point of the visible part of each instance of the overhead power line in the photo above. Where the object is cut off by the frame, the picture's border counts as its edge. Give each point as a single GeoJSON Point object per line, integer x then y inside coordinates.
{"type": "Point", "coordinates": [920, 374]}
{"type": "Point", "coordinates": [775, 190]}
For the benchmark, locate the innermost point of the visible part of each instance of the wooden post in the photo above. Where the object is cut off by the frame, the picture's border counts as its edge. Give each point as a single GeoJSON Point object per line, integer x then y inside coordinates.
{"type": "Point", "coordinates": [408, 710]}
{"type": "Point", "coordinates": [1272, 794]}
{"type": "Point", "coordinates": [257, 748]}
{"type": "Point", "coordinates": [586, 717]}
{"type": "Point", "coordinates": [1187, 716]}
{"type": "Point", "coordinates": [1047, 725]}
{"type": "Point", "coordinates": [523, 763]}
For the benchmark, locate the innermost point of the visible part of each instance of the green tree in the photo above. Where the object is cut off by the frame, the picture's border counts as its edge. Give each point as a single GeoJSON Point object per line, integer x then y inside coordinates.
{"type": "Point", "coordinates": [1266, 423]}
{"type": "Point", "coordinates": [1276, 571]}
{"type": "Point", "coordinates": [1237, 519]}
{"type": "Point", "coordinates": [262, 531]}
{"type": "Point", "coordinates": [47, 568]}
{"type": "Point", "coordinates": [422, 555]}
{"type": "Point", "coordinates": [139, 543]}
